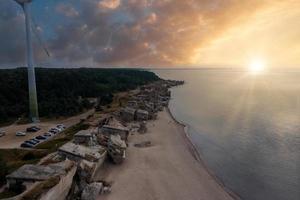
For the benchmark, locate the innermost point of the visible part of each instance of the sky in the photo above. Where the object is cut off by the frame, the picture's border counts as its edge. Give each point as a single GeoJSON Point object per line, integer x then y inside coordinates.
{"type": "Point", "coordinates": [153, 33]}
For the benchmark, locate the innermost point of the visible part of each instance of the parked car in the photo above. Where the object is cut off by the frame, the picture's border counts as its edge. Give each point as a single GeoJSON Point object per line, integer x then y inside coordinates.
{"type": "Point", "coordinates": [33, 129]}
{"type": "Point", "coordinates": [35, 140]}
{"type": "Point", "coordinates": [54, 130]}
{"type": "Point", "coordinates": [48, 134]}
{"type": "Point", "coordinates": [2, 133]}
{"type": "Point", "coordinates": [30, 142]}
{"type": "Point", "coordinates": [40, 137]}
{"type": "Point", "coordinates": [61, 126]}
{"type": "Point", "coordinates": [20, 133]}
{"type": "Point", "coordinates": [26, 145]}
{"type": "Point", "coordinates": [59, 129]}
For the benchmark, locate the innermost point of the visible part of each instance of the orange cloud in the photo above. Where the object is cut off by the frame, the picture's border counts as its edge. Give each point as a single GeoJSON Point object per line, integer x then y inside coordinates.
{"type": "Point", "coordinates": [152, 18]}
{"type": "Point", "coordinates": [175, 32]}
{"type": "Point", "coordinates": [271, 34]}
{"type": "Point", "coordinates": [109, 4]}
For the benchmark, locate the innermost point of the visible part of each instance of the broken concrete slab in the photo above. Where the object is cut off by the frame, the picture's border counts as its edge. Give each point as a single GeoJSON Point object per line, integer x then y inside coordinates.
{"type": "Point", "coordinates": [115, 140]}
{"type": "Point", "coordinates": [127, 114]}
{"type": "Point", "coordinates": [115, 130]}
{"type": "Point", "coordinates": [78, 152]}
{"type": "Point", "coordinates": [85, 137]}
{"type": "Point", "coordinates": [36, 172]}
{"type": "Point", "coordinates": [91, 191]}
{"type": "Point", "coordinates": [143, 128]}
{"type": "Point", "coordinates": [142, 115]}
{"type": "Point", "coordinates": [42, 182]}
{"type": "Point", "coordinates": [116, 148]}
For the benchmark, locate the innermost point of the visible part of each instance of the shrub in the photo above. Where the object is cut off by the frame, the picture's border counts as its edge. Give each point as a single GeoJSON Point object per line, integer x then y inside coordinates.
{"type": "Point", "coordinates": [3, 170]}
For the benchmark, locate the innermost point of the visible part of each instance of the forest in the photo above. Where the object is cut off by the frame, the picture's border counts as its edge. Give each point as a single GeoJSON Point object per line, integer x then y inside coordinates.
{"type": "Point", "coordinates": [64, 92]}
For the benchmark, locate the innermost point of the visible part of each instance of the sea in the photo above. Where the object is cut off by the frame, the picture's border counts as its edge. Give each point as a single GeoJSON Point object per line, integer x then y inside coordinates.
{"type": "Point", "coordinates": [245, 126]}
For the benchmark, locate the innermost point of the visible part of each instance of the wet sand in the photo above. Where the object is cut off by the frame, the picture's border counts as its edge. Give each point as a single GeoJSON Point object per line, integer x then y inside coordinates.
{"type": "Point", "coordinates": [167, 170]}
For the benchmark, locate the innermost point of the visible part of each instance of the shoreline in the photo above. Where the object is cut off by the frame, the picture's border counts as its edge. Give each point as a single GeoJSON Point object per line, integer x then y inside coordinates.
{"type": "Point", "coordinates": [197, 155]}
{"type": "Point", "coordinates": [154, 172]}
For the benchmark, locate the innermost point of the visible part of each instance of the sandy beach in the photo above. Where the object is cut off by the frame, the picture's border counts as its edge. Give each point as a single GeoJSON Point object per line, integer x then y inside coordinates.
{"type": "Point", "coordinates": [167, 170]}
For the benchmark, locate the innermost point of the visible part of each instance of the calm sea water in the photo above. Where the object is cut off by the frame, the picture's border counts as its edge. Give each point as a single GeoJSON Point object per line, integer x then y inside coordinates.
{"type": "Point", "coordinates": [246, 128]}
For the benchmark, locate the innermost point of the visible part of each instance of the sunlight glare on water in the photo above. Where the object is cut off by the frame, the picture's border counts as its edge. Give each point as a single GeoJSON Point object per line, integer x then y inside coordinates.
{"type": "Point", "coordinates": [247, 129]}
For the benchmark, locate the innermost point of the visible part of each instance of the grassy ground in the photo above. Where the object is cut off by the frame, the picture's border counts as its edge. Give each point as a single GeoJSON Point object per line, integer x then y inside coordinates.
{"type": "Point", "coordinates": [7, 122]}
{"type": "Point", "coordinates": [17, 157]}
{"type": "Point", "coordinates": [7, 194]}
{"type": "Point", "coordinates": [119, 100]}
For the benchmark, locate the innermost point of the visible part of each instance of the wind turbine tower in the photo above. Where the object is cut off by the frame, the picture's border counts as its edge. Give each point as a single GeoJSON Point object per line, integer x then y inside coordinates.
{"type": "Point", "coordinates": [33, 105]}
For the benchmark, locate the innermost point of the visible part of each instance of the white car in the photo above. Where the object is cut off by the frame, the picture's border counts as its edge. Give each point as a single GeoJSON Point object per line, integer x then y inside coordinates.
{"type": "Point", "coordinates": [61, 127]}
{"type": "Point", "coordinates": [20, 133]}
{"type": "Point", "coordinates": [54, 130]}
{"type": "Point", "coordinates": [2, 133]}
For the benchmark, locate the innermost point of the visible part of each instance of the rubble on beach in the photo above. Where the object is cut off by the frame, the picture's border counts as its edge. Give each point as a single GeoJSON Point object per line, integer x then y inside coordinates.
{"type": "Point", "coordinates": [72, 169]}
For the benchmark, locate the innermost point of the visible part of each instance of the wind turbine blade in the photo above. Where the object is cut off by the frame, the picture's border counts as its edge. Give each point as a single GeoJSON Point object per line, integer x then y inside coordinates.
{"type": "Point", "coordinates": [110, 37]}
{"type": "Point", "coordinates": [109, 40]}
{"type": "Point", "coordinates": [34, 27]}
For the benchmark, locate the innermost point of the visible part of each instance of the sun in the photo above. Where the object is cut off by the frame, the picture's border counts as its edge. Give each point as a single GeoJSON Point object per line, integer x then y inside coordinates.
{"type": "Point", "coordinates": [257, 66]}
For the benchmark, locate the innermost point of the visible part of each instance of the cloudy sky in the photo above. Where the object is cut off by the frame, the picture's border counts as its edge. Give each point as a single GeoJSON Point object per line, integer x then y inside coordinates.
{"type": "Point", "coordinates": [154, 33]}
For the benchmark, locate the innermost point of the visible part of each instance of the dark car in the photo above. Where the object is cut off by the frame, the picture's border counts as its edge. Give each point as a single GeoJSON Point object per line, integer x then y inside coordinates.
{"type": "Point", "coordinates": [36, 127]}
{"type": "Point", "coordinates": [32, 129]}
{"type": "Point", "coordinates": [47, 135]}
{"type": "Point", "coordinates": [40, 137]}
{"type": "Point", "coordinates": [26, 145]}
{"type": "Point", "coordinates": [35, 140]}
{"type": "Point", "coordinates": [53, 132]}
{"type": "Point", "coordinates": [61, 126]}
{"type": "Point", "coordinates": [30, 142]}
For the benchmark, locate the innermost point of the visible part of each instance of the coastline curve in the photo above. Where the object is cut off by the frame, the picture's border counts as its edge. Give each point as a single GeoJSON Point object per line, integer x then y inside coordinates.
{"type": "Point", "coordinates": [196, 154]}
